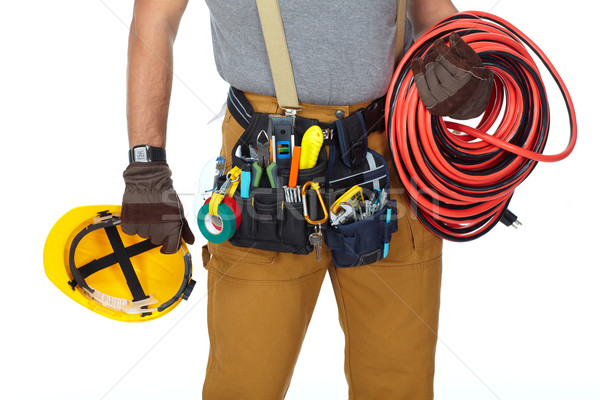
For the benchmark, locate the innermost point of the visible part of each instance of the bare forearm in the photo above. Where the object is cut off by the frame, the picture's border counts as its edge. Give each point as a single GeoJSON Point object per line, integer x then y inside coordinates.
{"type": "Point", "coordinates": [150, 69]}
{"type": "Point", "coordinates": [425, 13]}
{"type": "Point", "coordinates": [149, 82]}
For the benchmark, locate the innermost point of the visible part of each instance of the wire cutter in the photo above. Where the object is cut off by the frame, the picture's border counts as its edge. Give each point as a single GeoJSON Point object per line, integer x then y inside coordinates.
{"type": "Point", "coordinates": [263, 147]}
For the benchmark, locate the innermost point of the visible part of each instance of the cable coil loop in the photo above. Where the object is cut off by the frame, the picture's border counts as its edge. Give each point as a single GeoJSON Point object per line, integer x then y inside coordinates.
{"type": "Point", "coordinates": [459, 180]}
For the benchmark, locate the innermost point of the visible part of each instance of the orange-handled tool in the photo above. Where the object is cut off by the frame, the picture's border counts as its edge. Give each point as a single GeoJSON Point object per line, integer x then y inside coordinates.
{"type": "Point", "coordinates": [293, 181]}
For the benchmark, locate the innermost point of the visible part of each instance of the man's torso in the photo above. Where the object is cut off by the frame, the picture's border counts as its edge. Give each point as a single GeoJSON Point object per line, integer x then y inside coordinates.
{"type": "Point", "coordinates": [342, 52]}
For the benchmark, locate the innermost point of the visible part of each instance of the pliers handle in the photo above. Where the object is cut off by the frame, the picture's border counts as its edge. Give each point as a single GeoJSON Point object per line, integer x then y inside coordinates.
{"type": "Point", "coordinates": [271, 174]}
{"type": "Point", "coordinates": [263, 146]}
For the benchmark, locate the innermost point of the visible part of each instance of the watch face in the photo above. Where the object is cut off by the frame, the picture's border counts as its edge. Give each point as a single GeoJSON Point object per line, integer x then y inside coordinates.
{"type": "Point", "coordinates": [140, 154]}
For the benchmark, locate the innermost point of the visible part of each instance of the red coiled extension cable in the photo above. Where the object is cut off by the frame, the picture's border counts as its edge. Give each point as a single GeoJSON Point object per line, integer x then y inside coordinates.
{"type": "Point", "coordinates": [458, 179]}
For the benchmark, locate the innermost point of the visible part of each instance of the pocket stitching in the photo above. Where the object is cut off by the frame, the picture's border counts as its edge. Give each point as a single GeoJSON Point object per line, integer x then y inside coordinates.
{"type": "Point", "coordinates": [249, 257]}
{"type": "Point", "coordinates": [263, 282]}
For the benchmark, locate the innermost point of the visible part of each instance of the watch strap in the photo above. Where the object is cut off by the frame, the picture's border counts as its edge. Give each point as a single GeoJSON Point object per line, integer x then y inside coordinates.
{"type": "Point", "coordinates": [145, 153]}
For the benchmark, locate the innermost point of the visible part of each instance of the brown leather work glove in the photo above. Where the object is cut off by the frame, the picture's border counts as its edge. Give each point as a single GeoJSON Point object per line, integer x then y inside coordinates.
{"type": "Point", "coordinates": [151, 207]}
{"type": "Point", "coordinates": [452, 81]}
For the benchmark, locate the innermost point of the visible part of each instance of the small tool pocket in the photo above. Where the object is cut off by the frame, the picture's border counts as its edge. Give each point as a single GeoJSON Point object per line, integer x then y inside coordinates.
{"type": "Point", "coordinates": [365, 241]}
{"type": "Point", "coordinates": [268, 222]}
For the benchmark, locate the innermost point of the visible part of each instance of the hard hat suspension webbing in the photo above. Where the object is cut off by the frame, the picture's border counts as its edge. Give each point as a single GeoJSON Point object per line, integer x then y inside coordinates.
{"type": "Point", "coordinates": [111, 259]}
{"type": "Point", "coordinates": [122, 255]}
{"type": "Point", "coordinates": [130, 276]}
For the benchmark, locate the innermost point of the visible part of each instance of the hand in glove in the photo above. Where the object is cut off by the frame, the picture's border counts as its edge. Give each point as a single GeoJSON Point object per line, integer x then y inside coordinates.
{"type": "Point", "coordinates": [452, 81]}
{"type": "Point", "coordinates": [151, 207]}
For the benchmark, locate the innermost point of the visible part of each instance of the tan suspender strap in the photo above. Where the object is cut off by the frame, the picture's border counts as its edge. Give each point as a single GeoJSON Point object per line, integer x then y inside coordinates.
{"type": "Point", "coordinates": [400, 26]}
{"type": "Point", "coordinates": [277, 50]}
{"type": "Point", "coordinates": [279, 56]}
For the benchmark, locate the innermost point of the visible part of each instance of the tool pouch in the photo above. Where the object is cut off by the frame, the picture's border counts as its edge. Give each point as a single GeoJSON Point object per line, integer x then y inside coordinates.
{"type": "Point", "coordinates": [362, 242]}
{"type": "Point", "coordinates": [268, 221]}
{"type": "Point", "coordinates": [351, 163]}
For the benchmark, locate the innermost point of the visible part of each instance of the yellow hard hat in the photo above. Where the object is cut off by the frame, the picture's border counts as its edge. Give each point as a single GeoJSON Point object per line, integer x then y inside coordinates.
{"type": "Point", "coordinates": [119, 276]}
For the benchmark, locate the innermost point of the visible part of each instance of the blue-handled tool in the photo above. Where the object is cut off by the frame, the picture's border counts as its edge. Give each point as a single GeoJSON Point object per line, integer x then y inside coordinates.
{"type": "Point", "coordinates": [246, 180]}
{"type": "Point", "coordinates": [386, 246]}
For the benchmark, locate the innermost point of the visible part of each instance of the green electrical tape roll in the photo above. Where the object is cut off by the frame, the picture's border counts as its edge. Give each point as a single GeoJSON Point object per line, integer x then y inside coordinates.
{"type": "Point", "coordinates": [217, 229]}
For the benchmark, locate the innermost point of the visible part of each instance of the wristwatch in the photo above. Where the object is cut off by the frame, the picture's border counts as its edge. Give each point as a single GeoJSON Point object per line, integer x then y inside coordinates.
{"type": "Point", "coordinates": [145, 153]}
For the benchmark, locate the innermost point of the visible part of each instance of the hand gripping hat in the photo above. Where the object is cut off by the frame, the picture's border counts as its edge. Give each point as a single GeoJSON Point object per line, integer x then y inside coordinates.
{"type": "Point", "coordinates": [119, 276]}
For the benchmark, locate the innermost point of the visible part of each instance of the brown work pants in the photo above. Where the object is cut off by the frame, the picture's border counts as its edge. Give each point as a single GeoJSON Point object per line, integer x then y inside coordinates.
{"type": "Point", "coordinates": [260, 303]}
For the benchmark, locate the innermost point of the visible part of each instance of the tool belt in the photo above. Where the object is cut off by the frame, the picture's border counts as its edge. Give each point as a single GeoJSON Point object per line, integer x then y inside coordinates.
{"type": "Point", "coordinates": [265, 213]}
{"type": "Point", "coordinates": [372, 117]}
{"type": "Point", "coordinates": [271, 220]}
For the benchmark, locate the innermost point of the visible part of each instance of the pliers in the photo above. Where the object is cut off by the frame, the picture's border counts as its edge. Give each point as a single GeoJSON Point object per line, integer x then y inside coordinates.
{"type": "Point", "coordinates": [263, 146]}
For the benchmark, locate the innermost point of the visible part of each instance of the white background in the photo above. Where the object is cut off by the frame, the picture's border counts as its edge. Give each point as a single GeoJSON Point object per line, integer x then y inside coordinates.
{"type": "Point", "coordinates": [519, 317]}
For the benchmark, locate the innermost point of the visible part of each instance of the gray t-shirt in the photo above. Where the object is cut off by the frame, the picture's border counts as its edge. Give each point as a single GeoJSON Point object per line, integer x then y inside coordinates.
{"type": "Point", "coordinates": [342, 52]}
